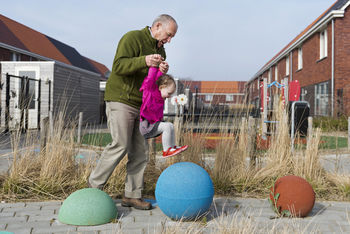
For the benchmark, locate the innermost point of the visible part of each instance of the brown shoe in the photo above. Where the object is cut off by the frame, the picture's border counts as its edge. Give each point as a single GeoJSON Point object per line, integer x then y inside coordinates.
{"type": "Point", "coordinates": [137, 203]}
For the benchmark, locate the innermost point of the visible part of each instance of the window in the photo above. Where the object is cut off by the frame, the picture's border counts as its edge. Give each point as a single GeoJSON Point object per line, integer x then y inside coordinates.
{"type": "Point", "coordinates": [287, 65]}
{"type": "Point", "coordinates": [208, 98]}
{"type": "Point", "coordinates": [16, 56]}
{"type": "Point", "coordinates": [229, 98]}
{"type": "Point", "coordinates": [303, 94]}
{"type": "Point", "coordinates": [321, 99]}
{"type": "Point", "coordinates": [29, 98]}
{"type": "Point", "coordinates": [269, 75]}
{"type": "Point", "coordinates": [323, 44]}
{"type": "Point", "coordinates": [300, 58]}
{"type": "Point", "coordinates": [276, 73]}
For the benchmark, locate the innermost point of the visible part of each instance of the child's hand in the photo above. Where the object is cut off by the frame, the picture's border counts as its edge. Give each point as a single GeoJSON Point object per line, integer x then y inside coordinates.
{"type": "Point", "coordinates": [164, 67]}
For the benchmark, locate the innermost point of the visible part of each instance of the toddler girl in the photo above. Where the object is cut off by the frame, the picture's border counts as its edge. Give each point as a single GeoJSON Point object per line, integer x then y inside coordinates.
{"type": "Point", "coordinates": [156, 87]}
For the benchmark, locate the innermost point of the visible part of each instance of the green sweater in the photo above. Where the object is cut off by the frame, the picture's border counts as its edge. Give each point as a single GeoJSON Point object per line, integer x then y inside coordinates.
{"type": "Point", "coordinates": [129, 67]}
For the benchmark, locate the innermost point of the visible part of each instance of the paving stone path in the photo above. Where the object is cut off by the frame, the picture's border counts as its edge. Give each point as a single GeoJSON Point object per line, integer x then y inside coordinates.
{"type": "Point", "coordinates": [226, 214]}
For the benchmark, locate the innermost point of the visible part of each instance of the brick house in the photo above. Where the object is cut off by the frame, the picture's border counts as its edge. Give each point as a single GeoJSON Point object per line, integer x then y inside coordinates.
{"type": "Point", "coordinates": [27, 52]}
{"type": "Point", "coordinates": [216, 93]}
{"type": "Point", "coordinates": [319, 58]}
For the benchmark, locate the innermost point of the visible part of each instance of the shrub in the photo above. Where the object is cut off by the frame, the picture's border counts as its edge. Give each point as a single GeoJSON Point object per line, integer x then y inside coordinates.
{"type": "Point", "coordinates": [328, 124]}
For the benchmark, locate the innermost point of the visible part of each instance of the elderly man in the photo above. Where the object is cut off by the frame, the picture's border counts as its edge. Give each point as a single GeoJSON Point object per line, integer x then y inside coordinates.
{"type": "Point", "coordinates": [137, 51]}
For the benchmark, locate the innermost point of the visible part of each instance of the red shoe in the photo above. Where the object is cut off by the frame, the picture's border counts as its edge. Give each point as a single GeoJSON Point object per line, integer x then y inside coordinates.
{"type": "Point", "coordinates": [182, 148]}
{"type": "Point", "coordinates": [171, 152]}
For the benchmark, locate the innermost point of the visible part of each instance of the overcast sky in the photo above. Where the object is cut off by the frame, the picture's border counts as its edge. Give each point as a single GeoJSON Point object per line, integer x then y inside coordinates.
{"type": "Point", "coordinates": [216, 40]}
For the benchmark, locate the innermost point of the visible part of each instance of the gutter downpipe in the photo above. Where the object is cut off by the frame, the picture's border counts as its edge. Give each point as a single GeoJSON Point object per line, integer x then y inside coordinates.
{"type": "Point", "coordinates": [291, 65]}
{"type": "Point", "coordinates": [332, 82]}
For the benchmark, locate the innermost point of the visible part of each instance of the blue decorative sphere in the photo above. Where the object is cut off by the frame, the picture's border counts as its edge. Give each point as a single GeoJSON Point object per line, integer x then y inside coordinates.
{"type": "Point", "coordinates": [184, 191]}
{"type": "Point", "coordinates": [89, 206]}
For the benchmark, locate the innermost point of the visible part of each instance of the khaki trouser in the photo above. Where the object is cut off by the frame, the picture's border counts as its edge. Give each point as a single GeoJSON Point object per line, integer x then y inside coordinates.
{"type": "Point", "coordinates": [123, 123]}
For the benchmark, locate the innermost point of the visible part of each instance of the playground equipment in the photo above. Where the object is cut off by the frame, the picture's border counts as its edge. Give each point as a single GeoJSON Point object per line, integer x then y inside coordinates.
{"type": "Point", "coordinates": [184, 191]}
{"type": "Point", "coordinates": [89, 206]}
{"type": "Point", "coordinates": [298, 110]}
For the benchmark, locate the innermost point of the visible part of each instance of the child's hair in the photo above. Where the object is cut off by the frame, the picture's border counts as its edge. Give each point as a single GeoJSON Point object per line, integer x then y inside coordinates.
{"type": "Point", "coordinates": [165, 80]}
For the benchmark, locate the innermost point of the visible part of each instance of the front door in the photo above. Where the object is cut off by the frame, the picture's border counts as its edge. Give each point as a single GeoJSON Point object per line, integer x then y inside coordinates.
{"type": "Point", "coordinates": [27, 107]}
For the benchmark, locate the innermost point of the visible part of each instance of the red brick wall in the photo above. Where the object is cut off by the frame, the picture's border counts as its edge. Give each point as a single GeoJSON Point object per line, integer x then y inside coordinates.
{"type": "Point", "coordinates": [342, 58]}
{"type": "Point", "coordinates": [5, 54]}
{"type": "Point", "coordinates": [315, 70]}
{"type": "Point", "coordinates": [221, 99]}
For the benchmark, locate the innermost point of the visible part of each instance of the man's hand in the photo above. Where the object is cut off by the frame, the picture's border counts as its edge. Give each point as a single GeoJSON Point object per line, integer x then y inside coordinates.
{"type": "Point", "coordinates": [164, 67]}
{"type": "Point", "coordinates": [153, 60]}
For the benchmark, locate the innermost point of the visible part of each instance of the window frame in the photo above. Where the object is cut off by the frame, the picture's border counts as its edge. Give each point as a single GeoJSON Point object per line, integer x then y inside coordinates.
{"type": "Point", "coordinates": [276, 73]}
{"type": "Point", "coordinates": [229, 97]}
{"type": "Point", "coordinates": [209, 97]}
{"type": "Point", "coordinates": [323, 44]}
{"type": "Point", "coordinates": [300, 58]}
{"type": "Point", "coordinates": [15, 56]}
{"type": "Point", "coordinates": [321, 99]}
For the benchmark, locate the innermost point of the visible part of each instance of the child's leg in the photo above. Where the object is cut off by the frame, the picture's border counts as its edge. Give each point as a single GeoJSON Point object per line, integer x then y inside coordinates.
{"type": "Point", "coordinates": [168, 136]}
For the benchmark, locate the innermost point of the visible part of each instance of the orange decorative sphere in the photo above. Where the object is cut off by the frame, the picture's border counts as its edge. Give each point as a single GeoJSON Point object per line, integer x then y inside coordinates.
{"type": "Point", "coordinates": [295, 195]}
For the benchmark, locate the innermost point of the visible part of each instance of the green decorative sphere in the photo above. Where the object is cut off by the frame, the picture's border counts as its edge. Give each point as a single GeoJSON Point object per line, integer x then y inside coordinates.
{"type": "Point", "coordinates": [89, 206]}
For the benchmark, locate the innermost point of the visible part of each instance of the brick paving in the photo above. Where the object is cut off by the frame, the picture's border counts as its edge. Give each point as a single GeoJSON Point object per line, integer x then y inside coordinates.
{"type": "Point", "coordinates": [229, 213]}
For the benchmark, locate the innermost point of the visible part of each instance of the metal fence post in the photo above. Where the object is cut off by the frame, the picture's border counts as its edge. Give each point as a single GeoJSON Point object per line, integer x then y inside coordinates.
{"type": "Point", "coordinates": [252, 140]}
{"type": "Point", "coordinates": [44, 129]}
{"type": "Point", "coordinates": [7, 100]}
{"type": "Point", "coordinates": [309, 129]}
{"type": "Point", "coordinates": [39, 104]}
{"type": "Point", "coordinates": [79, 126]}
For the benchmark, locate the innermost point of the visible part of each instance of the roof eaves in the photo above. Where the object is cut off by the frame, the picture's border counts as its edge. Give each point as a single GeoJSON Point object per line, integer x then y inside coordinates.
{"type": "Point", "coordinates": [15, 49]}
{"type": "Point", "coordinates": [345, 6]}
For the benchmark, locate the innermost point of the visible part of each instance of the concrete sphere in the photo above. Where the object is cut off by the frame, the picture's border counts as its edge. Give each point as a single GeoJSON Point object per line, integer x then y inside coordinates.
{"type": "Point", "coordinates": [295, 195]}
{"type": "Point", "coordinates": [184, 191]}
{"type": "Point", "coordinates": [89, 206]}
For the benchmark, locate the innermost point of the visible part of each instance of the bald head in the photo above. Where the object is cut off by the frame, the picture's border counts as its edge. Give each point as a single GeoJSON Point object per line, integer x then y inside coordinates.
{"type": "Point", "coordinates": [163, 29]}
{"type": "Point", "coordinates": [164, 19]}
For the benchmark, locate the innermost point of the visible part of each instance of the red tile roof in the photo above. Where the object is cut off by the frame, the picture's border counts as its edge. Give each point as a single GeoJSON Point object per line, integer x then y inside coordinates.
{"type": "Point", "coordinates": [215, 86]}
{"type": "Point", "coordinates": [220, 87]}
{"type": "Point", "coordinates": [34, 41]}
{"type": "Point", "coordinates": [7, 37]}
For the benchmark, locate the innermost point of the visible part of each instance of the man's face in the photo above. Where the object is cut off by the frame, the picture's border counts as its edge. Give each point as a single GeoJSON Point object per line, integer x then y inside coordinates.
{"type": "Point", "coordinates": [164, 32]}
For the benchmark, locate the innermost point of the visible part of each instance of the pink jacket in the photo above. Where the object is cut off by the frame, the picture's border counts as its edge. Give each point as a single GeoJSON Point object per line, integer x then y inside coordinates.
{"type": "Point", "coordinates": [152, 101]}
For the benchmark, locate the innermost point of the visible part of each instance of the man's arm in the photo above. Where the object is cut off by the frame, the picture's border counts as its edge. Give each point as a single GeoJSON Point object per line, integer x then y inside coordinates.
{"type": "Point", "coordinates": [127, 60]}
